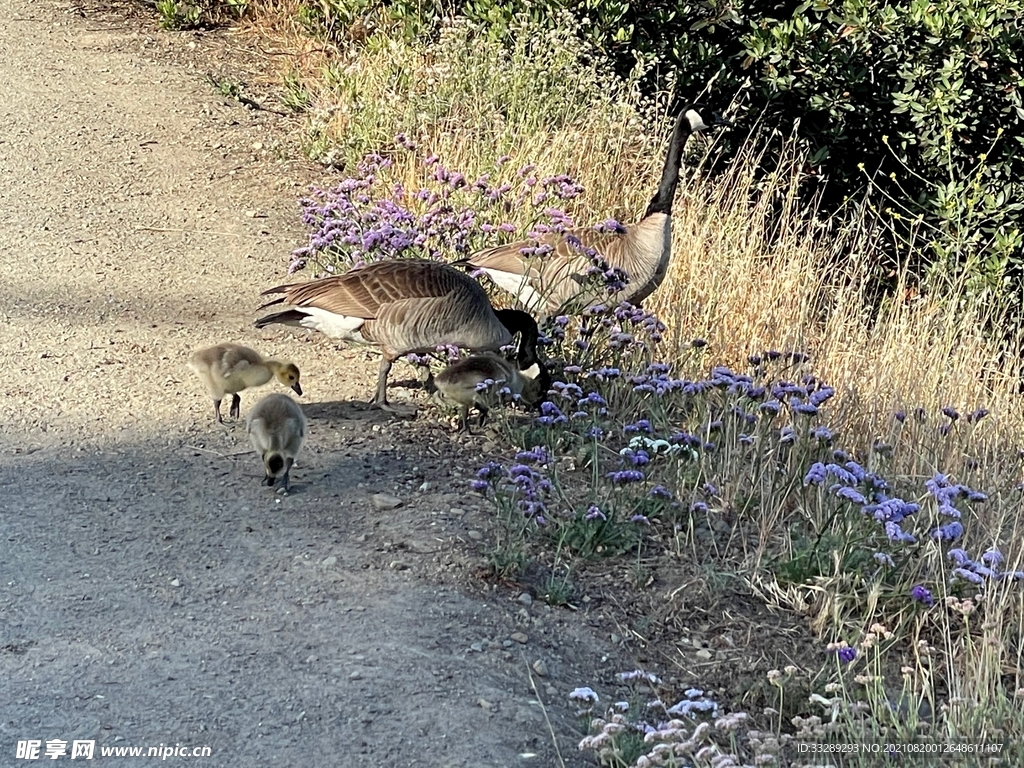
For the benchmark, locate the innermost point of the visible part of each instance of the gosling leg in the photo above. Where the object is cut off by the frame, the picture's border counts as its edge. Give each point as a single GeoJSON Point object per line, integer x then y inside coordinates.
{"type": "Point", "coordinates": [285, 481]}
{"type": "Point", "coordinates": [236, 406]}
{"type": "Point", "coordinates": [216, 412]}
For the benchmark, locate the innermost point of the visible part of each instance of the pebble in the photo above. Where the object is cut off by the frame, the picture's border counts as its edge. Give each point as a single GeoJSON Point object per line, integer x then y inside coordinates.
{"type": "Point", "coordinates": [519, 637]}
{"type": "Point", "coordinates": [175, 583]}
{"type": "Point", "coordinates": [478, 647]}
{"type": "Point", "coordinates": [383, 502]}
{"type": "Point", "coordinates": [356, 675]}
{"type": "Point", "coordinates": [551, 690]}
{"type": "Point", "coordinates": [703, 654]}
{"type": "Point", "coordinates": [475, 535]}
{"type": "Point", "coordinates": [426, 486]}
{"type": "Point", "coordinates": [331, 560]}
{"type": "Point", "coordinates": [540, 667]}
{"type": "Point", "coordinates": [526, 598]}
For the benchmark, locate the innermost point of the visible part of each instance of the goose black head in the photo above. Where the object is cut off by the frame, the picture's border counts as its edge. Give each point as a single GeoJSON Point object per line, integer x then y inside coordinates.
{"type": "Point", "coordinates": [701, 118]}
{"type": "Point", "coordinates": [517, 321]}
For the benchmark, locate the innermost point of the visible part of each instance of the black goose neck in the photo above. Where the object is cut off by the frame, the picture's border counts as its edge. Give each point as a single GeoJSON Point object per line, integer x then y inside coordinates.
{"type": "Point", "coordinates": [517, 321]}
{"type": "Point", "coordinates": [662, 200]}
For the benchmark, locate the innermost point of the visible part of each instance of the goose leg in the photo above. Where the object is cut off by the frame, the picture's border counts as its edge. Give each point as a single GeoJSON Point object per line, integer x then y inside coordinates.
{"type": "Point", "coordinates": [236, 406]}
{"type": "Point", "coordinates": [483, 415]}
{"type": "Point", "coordinates": [381, 397]}
{"type": "Point", "coordinates": [216, 412]}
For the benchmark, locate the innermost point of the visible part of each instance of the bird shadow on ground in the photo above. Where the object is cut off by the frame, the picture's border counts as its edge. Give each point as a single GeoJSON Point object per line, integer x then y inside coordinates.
{"type": "Point", "coordinates": [353, 410]}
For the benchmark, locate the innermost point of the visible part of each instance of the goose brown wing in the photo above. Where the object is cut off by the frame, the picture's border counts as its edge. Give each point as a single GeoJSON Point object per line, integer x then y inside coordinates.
{"type": "Point", "coordinates": [362, 292]}
{"type": "Point", "coordinates": [566, 256]}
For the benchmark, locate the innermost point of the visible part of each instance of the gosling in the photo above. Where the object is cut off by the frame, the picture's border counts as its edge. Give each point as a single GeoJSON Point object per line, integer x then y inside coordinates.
{"type": "Point", "coordinates": [230, 368]}
{"type": "Point", "coordinates": [466, 383]}
{"type": "Point", "coordinates": [277, 429]}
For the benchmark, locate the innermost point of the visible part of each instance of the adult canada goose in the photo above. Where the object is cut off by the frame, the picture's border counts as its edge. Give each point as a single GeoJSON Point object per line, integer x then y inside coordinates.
{"type": "Point", "coordinates": [230, 368]}
{"type": "Point", "coordinates": [402, 306]}
{"type": "Point", "coordinates": [461, 383]}
{"type": "Point", "coordinates": [546, 283]}
{"type": "Point", "coordinates": [277, 429]}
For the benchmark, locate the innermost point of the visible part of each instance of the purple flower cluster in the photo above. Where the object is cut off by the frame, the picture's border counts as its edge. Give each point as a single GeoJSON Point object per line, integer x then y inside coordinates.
{"type": "Point", "coordinates": [945, 493]}
{"type": "Point", "coordinates": [527, 487]}
{"type": "Point", "coordinates": [869, 492]}
{"type": "Point", "coordinates": [985, 567]}
{"type": "Point", "coordinates": [366, 218]}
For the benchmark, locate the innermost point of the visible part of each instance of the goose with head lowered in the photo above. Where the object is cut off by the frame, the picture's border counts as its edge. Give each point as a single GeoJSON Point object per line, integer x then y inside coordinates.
{"type": "Point", "coordinates": [558, 276]}
{"type": "Point", "coordinates": [476, 380]}
{"type": "Point", "coordinates": [402, 306]}
{"type": "Point", "coordinates": [230, 368]}
{"type": "Point", "coordinates": [277, 430]}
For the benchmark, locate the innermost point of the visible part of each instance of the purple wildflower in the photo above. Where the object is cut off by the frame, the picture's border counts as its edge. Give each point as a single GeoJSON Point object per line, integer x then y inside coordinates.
{"type": "Point", "coordinates": [922, 595]}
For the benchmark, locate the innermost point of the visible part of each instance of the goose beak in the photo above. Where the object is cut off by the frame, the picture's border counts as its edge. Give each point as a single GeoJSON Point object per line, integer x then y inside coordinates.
{"type": "Point", "coordinates": [717, 120]}
{"type": "Point", "coordinates": [297, 389]}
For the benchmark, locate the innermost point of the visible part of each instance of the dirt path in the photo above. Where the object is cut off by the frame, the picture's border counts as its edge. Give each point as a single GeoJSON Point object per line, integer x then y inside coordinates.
{"type": "Point", "coordinates": [151, 592]}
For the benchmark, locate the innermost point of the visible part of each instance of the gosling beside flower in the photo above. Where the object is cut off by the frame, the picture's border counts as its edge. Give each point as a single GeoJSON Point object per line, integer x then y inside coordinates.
{"type": "Point", "coordinates": [479, 380]}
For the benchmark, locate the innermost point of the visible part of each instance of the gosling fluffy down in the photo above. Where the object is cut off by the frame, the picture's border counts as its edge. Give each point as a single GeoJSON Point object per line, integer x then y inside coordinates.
{"type": "Point", "coordinates": [230, 368]}
{"type": "Point", "coordinates": [466, 383]}
{"type": "Point", "coordinates": [277, 429]}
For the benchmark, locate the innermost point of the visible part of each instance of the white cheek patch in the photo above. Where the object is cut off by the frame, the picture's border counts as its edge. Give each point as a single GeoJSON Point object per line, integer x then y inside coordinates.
{"type": "Point", "coordinates": [532, 372]}
{"type": "Point", "coordinates": [335, 326]}
{"type": "Point", "coordinates": [696, 121]}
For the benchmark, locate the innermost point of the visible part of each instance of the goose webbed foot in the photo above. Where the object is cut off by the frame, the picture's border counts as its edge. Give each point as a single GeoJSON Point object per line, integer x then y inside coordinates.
{"type": "Point", "coordinates": [404, 410]}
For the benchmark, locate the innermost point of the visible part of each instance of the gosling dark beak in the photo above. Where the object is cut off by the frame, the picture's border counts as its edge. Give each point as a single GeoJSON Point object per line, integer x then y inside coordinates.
{"type": "Point", "coordinates": [297, 389]}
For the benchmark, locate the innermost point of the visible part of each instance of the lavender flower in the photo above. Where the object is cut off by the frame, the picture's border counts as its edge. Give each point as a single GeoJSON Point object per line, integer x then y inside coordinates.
{"type": "Point", "coordinates": [975, 416]}
{"type": "Point", "coordinates": [922, 595]}
{"type": "Point", "coordinates": [626, 476]}
{"type": "Point", "coordinates": [660, 492]}
{"type": "Point", "coordinates": [816, 474]}
{"type": "Point", "coordinates": [949, 532]}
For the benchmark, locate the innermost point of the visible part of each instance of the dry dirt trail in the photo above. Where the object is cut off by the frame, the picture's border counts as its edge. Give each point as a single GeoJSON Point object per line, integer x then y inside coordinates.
{"type": "Point", "coordinates": [151, 592]}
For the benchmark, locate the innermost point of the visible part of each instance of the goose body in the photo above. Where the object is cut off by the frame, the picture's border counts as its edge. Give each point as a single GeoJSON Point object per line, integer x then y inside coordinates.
{"type": "Point", "coordinates": [461, 383]}
{"type": "Point", "coordinates": [230, 368]}
{"type": "Point", "coordinates": [551, 282]}
{"type": "Point", "coordinates": [402, 306]}
{"type": "Point", "coordinates": [277, 430]}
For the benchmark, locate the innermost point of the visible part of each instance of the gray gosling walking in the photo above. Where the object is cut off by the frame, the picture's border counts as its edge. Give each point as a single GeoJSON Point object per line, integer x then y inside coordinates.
{"type": "Point", "coordinates": [230, 368]}
{"type": "Point", "coordinates": [277, 429]}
